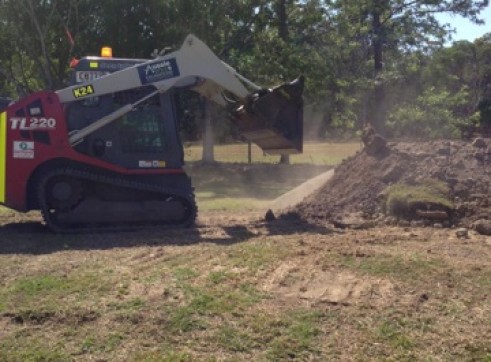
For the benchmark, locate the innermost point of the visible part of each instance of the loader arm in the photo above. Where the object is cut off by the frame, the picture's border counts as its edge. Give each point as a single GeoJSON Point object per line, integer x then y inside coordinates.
{"type": "Point", "coordinates": [271, 118]}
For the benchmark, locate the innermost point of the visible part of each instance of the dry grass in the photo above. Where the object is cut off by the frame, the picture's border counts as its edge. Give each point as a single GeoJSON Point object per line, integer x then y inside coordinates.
{"type": "Point", "coordinates": [238, 289]}
{"type": "Point", "coordinates": [316, 153]}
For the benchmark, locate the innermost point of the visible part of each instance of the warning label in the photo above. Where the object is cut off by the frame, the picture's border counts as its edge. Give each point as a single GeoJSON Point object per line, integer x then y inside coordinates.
{"type": "Point", "coordinates": [23, 149]}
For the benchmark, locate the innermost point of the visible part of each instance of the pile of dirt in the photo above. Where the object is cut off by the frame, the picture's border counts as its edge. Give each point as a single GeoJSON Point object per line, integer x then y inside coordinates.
{"type": "Point", "coordinates": [357, 193]}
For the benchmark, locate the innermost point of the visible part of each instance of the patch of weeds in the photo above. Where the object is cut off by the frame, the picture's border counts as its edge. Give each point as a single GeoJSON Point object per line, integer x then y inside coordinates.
{"type": "Point", "coordinates": [483, 279]}
{"type": "Point", "coordinates": [266, 327]}
{"type": "Point", "coordinates": [249, 295]}
{"type": "Point", "coordinates": [184, 274]}
{"type": "Point", "coordinates": [33, 350]}
{"type": "Point", "coordinates": [184, 319]}
{"type": "Point", "coordinates": [123, 288]}
{"type": "Point", "coordinates": [295, 337]}
{"type": "Point", "coordinates": [477, 352]}
{"type": "Point", "coordinates": [112, 341]}
{"type": "Point", "coordinates": [404, 199]}
{"type": "Point", "coordinates": [393, 332]}
{"type": "Point", "coordinates": [453, 308]}
{"type": "Point", "coordinates": [133, 304]}
{"type": "Point", "coordinates": [234, 340]}
{"type": "Point", "coordinates": [177, 261]}
{"type": "Point", "coordinates": [217, 302]}
{"type": "Point", "coordinates": [89, 345]}
{"type": "Point", "coordinates": [205, 302]}
{"type": "Point", "coordinates": [107, 343]}
{"type": "Point", "coordinates": [255, 256]}
{"type": "Point", "coordinates": [128, 311]}
{"type": "Point", "coordinates": [414, 267]}
{"type": "Point", "coordinates": [41, 284]}
{"type": "Point", "coordinates": [162, 356]}
{"type": "Point", "coordinates": [48, 291]}
{"type": "Point", "coordinates": [218, 277]}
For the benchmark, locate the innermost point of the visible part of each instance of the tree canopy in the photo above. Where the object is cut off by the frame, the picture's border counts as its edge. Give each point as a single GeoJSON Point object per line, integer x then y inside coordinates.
{"type": "Point", "coordinates": [384, 62]}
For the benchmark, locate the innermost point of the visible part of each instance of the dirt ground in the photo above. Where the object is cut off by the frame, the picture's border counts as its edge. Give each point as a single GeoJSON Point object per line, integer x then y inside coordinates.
{"type": "Point", "coordinates": [357, 191]}
{"type": "Point", "coordinates": [238, 287]}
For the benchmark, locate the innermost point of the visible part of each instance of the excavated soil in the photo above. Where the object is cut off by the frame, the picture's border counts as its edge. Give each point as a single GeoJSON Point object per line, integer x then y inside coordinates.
{"type": "Point", "coordinates": [356, 195]}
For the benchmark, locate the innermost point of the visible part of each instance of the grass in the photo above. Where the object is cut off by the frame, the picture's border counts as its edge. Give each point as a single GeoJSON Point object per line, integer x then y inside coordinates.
{"type": "Point", "coordinates": [233, 186]}
{"type": "Point", "coordinates": [36, 350]}
{"type": "Point", "coordinates": [316, 153]}
{"type": "Point", "coordinates": [403, 199]}
{"type": "Point", "coordinates": [209, 202]}
{"type": "Point", "coordinates": [296, 339]}
{"type": "Point", "coordinates": [212, 305]}
{"type": "Point", "coordinates": [412, 267]}
{"type": "Point", "coordinates": [195, 295]}
{"type": "Point", "coordinates": [39, 296]}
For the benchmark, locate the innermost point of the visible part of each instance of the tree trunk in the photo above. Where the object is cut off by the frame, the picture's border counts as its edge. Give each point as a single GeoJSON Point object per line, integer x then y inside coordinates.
{"type": "Point", "coordinates": [46, 64]}
{"type": "Point", "coordinates": [282, 20]}
{"type": "Point", "coordinates": [208, 139]}
{"type": "Point", "coordinates": [378, 114]}
{"type": "Point", "coordinates": [283, 34]}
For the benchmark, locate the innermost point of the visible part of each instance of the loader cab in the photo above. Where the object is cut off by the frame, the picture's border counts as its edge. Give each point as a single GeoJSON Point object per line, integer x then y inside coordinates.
{"type": "Point", "coordinates": [145, 138]}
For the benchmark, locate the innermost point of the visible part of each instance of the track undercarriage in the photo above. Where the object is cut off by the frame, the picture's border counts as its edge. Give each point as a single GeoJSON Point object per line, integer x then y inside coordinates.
{"type": "Point", "coordinates": [73, 200]}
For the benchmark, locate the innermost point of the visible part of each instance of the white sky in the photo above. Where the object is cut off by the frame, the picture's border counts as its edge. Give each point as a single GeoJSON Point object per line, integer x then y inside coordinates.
{"type": "Point", "coordinates": [465, 29]}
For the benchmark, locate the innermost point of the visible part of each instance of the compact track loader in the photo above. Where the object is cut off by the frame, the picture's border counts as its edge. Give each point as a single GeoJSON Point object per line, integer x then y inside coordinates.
{"type": "Point", "coordinates": [105, 152]}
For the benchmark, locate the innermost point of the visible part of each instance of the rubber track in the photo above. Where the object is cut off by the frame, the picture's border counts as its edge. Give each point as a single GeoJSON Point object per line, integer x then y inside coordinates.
{"type": "Point", "coordinates": [116, 181]}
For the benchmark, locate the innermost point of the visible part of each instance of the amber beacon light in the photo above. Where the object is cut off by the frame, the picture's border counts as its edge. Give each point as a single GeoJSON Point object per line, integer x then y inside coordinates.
{"type": "Point", "coordinates": [106, 52]}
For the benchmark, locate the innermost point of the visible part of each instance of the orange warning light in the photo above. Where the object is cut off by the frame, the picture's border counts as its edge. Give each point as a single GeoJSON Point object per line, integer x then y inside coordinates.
{"type": "Point", "coordinates": [106, 52]}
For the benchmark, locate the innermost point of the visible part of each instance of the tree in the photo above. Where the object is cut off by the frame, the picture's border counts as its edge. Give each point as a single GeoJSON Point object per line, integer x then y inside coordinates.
{"type": "Point", "coordinates": [35, 38]}
{"type": "Point", "coordinates": [454, 89]}
{"type": "Point", "coordinates": [483, 50]}
{"type": "Point", "coordinates": [393, 26]}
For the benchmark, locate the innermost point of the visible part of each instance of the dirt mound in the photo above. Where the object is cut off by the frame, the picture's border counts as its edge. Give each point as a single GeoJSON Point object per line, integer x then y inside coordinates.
{"type": "Point", "coordinates": [357, 193]}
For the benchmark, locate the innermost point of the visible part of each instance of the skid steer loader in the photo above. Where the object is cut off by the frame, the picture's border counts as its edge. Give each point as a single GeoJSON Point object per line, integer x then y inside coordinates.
{"type": "Point", "coordinates": [105, 152]}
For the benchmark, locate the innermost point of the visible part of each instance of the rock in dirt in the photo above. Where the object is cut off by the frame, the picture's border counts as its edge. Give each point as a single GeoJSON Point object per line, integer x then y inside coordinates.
{"type": "Point", "coordinates": [462, 233]}
{"type": "Point", "coordinates": [482, 227]}
{"type": "Point", "coordinates": [352, 221]}
{"type": "Point", "coordinates": [479, 142]}
{"type": "Point", "coordinates": [270, 216]}
{"type": "Point", "coordinates": [374, 143]}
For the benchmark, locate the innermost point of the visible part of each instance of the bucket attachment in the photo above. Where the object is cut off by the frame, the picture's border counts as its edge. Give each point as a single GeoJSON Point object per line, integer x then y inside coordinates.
{"type": "Point", "coordinates": [273, 118]}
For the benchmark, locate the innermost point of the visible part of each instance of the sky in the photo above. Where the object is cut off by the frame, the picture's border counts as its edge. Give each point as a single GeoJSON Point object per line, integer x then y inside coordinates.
{"type": "Point", "coordinates": [465, 29]}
